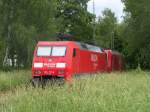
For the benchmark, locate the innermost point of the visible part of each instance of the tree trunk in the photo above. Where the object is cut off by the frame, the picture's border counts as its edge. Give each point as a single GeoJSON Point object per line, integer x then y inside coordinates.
{"type": "Point", "coordinates": [6, 57]}
{"type": "Point", "coordinates": [7, 49]}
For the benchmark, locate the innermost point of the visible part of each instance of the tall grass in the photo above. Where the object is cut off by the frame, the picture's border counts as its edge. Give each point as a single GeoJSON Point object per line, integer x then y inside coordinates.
{"type": "Point", "coordinates": [116, 92]}
{"type": "Point", "coordinates": [9, 80]}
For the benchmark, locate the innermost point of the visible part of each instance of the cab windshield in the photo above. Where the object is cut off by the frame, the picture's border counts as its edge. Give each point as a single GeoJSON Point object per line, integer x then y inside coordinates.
{"type": "Point", "coordinates": [51, 51]}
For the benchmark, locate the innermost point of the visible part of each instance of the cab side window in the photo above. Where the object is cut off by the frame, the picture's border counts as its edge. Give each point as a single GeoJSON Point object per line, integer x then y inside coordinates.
{"type": "Point", "coordinates": [74, 52]}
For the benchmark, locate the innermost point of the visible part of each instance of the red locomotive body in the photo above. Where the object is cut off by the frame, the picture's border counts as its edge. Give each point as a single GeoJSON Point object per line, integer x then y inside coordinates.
{"type": "Point", "coordinates": [67, 58]}
{"type": "Point", "coordinates": [115, 61]}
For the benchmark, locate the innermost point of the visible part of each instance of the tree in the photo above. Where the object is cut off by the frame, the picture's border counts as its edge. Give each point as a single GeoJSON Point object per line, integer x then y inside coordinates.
{"type": "Point", "coordinates": [138, 31]}
{"type": "Point", "coordinates": [23, 24]}
{"type": "Point", "coordinates": [106, 29]}
{"type": "Point", "coordinates": [75, 19]}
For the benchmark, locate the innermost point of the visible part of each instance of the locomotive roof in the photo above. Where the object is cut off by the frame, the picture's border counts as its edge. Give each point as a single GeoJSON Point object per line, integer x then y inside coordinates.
{"type": "Point", "coordinates": [80, 45]}
{"type": "Point", "coordinates": [54, 42]}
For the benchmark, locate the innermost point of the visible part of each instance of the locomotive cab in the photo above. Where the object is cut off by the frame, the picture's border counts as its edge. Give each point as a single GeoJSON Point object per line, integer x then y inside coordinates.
{"type": "Point", "coordinates": [51, 59]}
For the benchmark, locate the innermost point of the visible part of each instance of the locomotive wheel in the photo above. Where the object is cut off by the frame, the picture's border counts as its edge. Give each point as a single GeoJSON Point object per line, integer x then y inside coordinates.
{"type": "Point", "coordinates": [36, 82]}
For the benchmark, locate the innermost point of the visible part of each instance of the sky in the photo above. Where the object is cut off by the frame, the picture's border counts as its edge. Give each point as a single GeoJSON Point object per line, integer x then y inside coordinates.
{"type": "Point", "coordinates": [115, 5]}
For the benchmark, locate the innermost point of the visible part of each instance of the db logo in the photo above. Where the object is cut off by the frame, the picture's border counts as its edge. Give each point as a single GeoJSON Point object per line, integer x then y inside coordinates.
{"type": "Point", "coordinates": [94, 57]}
{"type": "Point", "coordinates": [50, 60]}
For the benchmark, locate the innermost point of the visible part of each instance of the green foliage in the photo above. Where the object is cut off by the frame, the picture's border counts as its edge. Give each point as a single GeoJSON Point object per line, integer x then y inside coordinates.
{"type": "Point", "coordinates": [25, 39]}
{"type": "Point", "coordinates": [75, 19]}
{"type": "Point", "coordinates": [2, 51]}
{"type": "Point", "coordinates": [137, 31]}
{"type": "Point", "coordinates": [106, 28]}
{"type": "Point", "coordinates": [24, 24]}
{"type": "Point", "coordinates": [118, 92]}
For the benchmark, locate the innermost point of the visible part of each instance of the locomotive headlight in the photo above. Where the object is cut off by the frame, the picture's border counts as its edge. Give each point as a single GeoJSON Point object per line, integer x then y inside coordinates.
{"type": "Point", "coordinates": [60, 65]}
{"type": "Point", "coordinates": [38, 65]}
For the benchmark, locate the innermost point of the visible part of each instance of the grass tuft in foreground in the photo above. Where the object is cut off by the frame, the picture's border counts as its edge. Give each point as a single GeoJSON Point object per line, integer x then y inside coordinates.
{"type": "Point", "coordinates": [10, 80]}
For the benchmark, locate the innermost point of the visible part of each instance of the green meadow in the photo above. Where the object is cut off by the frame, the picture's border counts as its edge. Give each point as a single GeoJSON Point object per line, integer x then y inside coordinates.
{"type": "Point", "coordinates": [115, 92]}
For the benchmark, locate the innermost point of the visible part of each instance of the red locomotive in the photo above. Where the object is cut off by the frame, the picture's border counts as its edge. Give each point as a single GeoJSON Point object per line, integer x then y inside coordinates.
{"type": "Point", "coordinates": [64, 59]}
